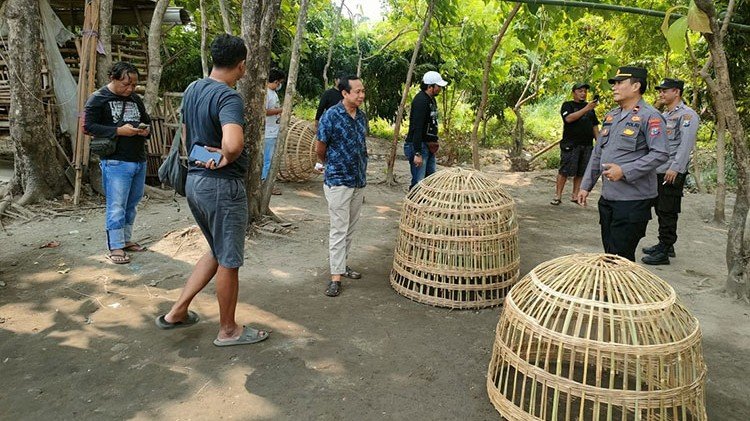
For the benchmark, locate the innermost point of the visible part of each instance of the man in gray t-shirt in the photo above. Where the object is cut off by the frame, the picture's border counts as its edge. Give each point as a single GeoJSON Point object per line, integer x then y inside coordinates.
{"type": "Point", "coordinates": [214, 118]}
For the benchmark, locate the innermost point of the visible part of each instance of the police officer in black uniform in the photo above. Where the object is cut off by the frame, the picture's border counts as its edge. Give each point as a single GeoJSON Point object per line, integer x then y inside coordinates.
{"type": "Point", "coordinates": [632, 144]}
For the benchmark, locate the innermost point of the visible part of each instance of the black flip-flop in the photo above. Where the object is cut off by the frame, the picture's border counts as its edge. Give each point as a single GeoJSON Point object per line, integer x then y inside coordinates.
{"type": "Point", "coordinates": [555, 202]}
{"type": "Point", "coordinates": [191, 319]}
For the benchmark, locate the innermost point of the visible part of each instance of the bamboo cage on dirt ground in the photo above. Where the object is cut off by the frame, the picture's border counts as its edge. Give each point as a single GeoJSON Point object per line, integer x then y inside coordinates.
{"type": "Point", "coordinates": [298, 162]}
{"type": "Point", "coordinates": [596, 337]}
{"type": "Point", "coordinates": [458, 242]}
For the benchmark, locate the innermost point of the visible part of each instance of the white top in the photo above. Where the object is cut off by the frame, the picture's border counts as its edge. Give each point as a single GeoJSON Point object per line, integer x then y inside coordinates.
{"type": "Point", "coordinates": [272, 121]}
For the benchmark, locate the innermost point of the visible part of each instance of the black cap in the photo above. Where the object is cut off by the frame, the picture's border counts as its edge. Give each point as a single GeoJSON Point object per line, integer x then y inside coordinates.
{"type": "Point", "coordinates": [580, 85]}
{"type": "Point", "coordinates": [627, 72]}
{"type": "Point", "coordinates": [671, 83]}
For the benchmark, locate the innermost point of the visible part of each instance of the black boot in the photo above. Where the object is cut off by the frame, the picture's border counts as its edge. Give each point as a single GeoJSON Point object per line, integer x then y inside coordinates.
{"type": "Point", "coordinates": [658, 247]}
{"type": "Point", "coordinates": [659, 257]}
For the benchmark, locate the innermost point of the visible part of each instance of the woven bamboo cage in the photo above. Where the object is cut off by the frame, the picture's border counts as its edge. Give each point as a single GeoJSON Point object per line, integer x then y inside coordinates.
{"type": "Point", "coordinates": [458, 242]}
{"type": "Point", "coordinates": [596, 337]}
{"type": "Point", "coordinates": [298, 163]}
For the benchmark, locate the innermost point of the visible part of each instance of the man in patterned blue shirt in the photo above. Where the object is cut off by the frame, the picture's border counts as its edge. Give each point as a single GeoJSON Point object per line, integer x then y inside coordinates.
{"type": "Point", "coordinates": [342, 147]}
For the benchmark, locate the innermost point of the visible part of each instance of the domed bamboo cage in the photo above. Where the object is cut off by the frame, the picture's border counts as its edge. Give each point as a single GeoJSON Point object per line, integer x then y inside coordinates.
{"type": "Point", "coordinates": [458, 241]}
{"type": "Point", "coordinates": [298, 163]}
{"type": "Point", "coordinates": [596, 337]}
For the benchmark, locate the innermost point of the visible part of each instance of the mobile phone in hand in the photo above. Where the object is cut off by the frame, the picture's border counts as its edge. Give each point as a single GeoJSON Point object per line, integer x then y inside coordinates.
{"type": "Point", "coordinates": [200, 153]}
{"type": "Point", "coordinates": [143, 126]}
{"type": "Point", "coordinates": [596, 98]}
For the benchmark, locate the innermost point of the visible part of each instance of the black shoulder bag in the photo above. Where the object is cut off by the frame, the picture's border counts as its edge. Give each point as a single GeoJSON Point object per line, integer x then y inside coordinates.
{"type": "Point", "coordinates": [173, 171]}
{"type": "Point", "coordinates": [106, 146]}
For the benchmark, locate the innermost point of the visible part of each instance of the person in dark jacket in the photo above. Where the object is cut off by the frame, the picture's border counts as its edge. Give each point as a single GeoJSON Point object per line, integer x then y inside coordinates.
{"type": "Point", "coordinates": [116, 110]}
{"type": "Point", "coordinates": [329, 98]}
{"type": "Point", "coordinates": [422, 139]}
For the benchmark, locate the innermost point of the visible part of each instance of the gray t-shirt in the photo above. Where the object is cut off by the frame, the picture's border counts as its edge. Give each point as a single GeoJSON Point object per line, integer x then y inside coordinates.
{"type": "Point", "coordinates": [207, 106]}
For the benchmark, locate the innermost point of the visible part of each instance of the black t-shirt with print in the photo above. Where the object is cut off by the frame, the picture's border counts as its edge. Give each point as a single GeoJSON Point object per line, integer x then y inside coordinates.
{"type": "Point", "coordinates": [106, 111]}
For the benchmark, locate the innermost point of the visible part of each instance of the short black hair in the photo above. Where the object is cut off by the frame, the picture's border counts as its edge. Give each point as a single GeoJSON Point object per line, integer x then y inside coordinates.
{"type": "Point", "coordinates": [121, 69]}
{"type": "Point", "coordinates": [228, 51]}
{"type": "Point", "coordinates": [276, 74]}
{"type": "Point", "coordinates": [643, 82]}
{"type": "Point", "coordinates": [341, 75]}
{"type": "Point", "coordinates": [345, 82]}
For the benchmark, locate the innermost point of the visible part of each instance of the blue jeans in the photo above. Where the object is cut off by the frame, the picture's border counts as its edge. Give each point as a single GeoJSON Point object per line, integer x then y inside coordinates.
{"type": "Point", "coordinates": [123, 184]}
{"type": "Point", "coordinates": [269, 145]}
{"type": "Point", "coordinates": [418, 173]}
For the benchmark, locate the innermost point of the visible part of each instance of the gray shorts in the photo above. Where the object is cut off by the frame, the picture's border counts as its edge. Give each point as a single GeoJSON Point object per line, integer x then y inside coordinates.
{"type": "Point", "coordinates": [219, 206]}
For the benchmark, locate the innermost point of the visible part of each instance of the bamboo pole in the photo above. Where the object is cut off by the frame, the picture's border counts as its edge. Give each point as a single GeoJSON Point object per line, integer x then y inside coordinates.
{"type": "Point", "coordinates": [86, 78]}
{"type": "Point", "coordinates": [614, 8]}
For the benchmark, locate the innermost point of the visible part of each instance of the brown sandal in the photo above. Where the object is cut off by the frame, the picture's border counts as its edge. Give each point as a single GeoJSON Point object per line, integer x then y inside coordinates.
{"type": "Point", "coordinates": [134, 247]}
{"type": "Point", "coordinates": [118, 259]}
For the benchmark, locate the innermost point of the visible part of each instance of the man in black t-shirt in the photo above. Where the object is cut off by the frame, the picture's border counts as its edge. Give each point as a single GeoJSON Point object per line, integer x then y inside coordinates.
{"type": "Point", "coordinates": [580, 127]}
{"type": "Point", "coordinates": [329, 98]}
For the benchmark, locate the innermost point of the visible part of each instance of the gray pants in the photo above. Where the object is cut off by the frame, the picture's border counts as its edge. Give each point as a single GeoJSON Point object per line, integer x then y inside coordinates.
{"type": "Point", "coordinates": [344, 204]}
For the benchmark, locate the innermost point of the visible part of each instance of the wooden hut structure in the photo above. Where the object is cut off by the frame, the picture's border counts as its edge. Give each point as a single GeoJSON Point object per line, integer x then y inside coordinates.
{"type": "Point", "coordinates": [79, 19]}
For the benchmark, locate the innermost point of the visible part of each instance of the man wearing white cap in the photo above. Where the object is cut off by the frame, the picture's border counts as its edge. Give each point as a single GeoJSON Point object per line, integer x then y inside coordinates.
{"type": "Point", "coordinates": [422, 140]}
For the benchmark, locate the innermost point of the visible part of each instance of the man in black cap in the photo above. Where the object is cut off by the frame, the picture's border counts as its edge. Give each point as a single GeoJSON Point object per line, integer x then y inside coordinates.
{"type": "Point", "coordinates": [580, 128]}
{"type": "Point", "coordinates": [632, 144]}
{"type": "Point", "coordinates": [682, 130]}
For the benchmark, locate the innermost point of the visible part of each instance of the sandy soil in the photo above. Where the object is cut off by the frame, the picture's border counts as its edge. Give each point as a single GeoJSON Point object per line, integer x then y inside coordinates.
{"type": "Point", "coordinates": [78, 341]}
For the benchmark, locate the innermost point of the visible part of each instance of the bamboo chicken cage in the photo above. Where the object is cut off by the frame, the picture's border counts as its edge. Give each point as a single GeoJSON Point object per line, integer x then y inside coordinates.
{"type": "Point", "coordinates": [298, 162]}
{"type": "Point", "coordinates": [458, 242]}
{"type": "Point", "coordinates": [596, 337]}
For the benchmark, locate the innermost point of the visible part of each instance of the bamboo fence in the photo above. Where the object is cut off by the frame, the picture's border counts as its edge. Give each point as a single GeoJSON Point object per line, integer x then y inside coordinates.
{"type": "Point", "coordinates": [596, 337]}
{"type": "Point", "coordinates": [458, 242]}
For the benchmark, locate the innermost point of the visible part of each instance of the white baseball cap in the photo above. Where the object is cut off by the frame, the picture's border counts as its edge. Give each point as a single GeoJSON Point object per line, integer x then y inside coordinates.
{"type": "Point", "coordinates": [433, 78]}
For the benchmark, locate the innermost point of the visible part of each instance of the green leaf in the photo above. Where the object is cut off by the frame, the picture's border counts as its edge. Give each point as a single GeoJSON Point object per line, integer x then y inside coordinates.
{"type": "Point", "coordinates": [676, 35]}
{"type": "Point", "coordinates": [533, 8]}
{"type": "Point", "coordinates": [698, 19]}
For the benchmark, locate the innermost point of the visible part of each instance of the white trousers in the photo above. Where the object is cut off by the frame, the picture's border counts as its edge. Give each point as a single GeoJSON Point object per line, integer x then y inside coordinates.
{"type": "Point", "coordinates": [344, 205]}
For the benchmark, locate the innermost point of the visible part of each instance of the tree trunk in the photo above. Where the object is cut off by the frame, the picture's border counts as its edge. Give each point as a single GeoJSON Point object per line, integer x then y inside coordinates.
{"type": "Point", "coordinates": [37, 171]}
{"type": "Point", "coordinates": [721, 179]}
{"type": "Point", "coordinates": [486, 85]}
{"type": "Point", "coordinates": [224, 16]}
{"type": "Point", "coordinates": [104, 61]}
{"type": "Point", "coordinates": [390, 175]}
{"type": "Point", "coordinates": [258, 21]}
{"type": "Point", "coordinates": [332, 42]}
{"type": "Point", "coordinates": [517, 160]}
{"type": "Point", "coordinates": [286, 114]}
{"type": "Point", "coordinates": [738, 239]}
{"type": "Point", "coordinates": [204, 30]}
{"type": "Point", "coordinates": [151, 98]}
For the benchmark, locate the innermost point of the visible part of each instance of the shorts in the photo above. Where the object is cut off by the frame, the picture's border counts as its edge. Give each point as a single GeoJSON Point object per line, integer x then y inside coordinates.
{"type": "Point", "coordinates": [219, 206]}
{"type": "Point", "coordinates": [574, 159]}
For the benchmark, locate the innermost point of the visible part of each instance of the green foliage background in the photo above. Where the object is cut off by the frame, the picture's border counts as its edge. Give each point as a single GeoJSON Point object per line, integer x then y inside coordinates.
{"type": "Point", "coordinates": [568, 44]}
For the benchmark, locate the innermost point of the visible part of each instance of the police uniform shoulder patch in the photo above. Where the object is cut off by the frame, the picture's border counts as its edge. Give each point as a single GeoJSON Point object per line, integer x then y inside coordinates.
{"type": "Point", "coordinates": [654, 126]}
{"type": "Point", "coordinates": [686, 120]}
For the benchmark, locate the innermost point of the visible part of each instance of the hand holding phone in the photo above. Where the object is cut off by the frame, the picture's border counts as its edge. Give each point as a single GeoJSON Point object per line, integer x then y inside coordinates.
{"type": "Point", "coordinates": [596, 98]}
{"type": "Point", "coordinates": [204, 157]}
{"type": "Point", "coordinates": [143, 126]}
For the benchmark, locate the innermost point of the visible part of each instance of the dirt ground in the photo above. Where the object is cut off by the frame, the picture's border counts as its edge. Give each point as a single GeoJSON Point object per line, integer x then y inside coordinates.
{"type": "Point", "coordinates": [78, 341]}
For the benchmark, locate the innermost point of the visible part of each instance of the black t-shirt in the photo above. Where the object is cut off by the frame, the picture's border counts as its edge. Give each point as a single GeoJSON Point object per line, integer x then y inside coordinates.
{"type": "Point", "coordinates": [581, 131]}
{"type": "Point", "coordinates": [207, 106]}
{"type": "Point", "coordinates": [330, 98]}
{"type": "Point", "coordinates": [423, 120]}
{"type": "Point", "coordinates": [105, 112]}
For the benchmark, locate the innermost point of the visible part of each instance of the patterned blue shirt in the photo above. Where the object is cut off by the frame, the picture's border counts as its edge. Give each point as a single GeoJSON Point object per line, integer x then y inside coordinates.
{"type": "Point", "coordinates": [346, 147]}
